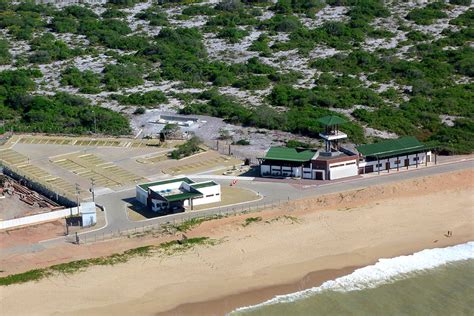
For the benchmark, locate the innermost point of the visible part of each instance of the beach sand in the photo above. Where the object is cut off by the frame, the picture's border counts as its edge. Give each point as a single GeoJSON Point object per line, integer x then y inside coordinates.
{"type": "Point", "coordinates": [298, 246]}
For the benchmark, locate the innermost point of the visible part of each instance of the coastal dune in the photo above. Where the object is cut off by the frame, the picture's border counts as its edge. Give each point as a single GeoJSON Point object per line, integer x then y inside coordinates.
{"type": "Point", "coordinates": [279, 251]}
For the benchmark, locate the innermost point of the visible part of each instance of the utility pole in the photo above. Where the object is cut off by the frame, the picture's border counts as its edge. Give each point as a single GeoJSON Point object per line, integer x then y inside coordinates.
{"type": "Point", "coordinates": [78, 191]}
{"type": "Point", "coordinates": [92, 189]}
{"type": "Point", "coordinates": [95, 122]}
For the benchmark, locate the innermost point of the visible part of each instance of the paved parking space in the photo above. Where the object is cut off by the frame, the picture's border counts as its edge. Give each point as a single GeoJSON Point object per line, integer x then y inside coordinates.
{"type": "Point", "coordinates": [73, 141]}
{"type": "Point", "coordinates": [12, 157]}
{"type": "Point", "coordinates": [20, 164]}
{"type": "Point", "coordinates": [89, 166]}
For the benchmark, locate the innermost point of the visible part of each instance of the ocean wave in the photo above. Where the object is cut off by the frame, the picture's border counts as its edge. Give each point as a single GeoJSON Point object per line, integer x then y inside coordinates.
{"type": "Point", "coordinates": [384, 271]}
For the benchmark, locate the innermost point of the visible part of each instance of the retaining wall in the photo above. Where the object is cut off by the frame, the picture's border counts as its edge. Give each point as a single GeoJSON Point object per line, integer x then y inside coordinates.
{"type": "Point", "coordinates": [38, 218]}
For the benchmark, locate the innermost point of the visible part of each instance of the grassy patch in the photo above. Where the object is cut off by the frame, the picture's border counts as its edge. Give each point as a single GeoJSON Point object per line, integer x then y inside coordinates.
{"type": "Point", "coordinates": [191, 223]}
{"type": "Point", "coordinates": [179, 246]}
{"type": "Point", "coordinates": [32, 275]}
{"type": "Point", "coordinates": [168, 248]}
{"type": "Point", "coordinates": [251, 220]}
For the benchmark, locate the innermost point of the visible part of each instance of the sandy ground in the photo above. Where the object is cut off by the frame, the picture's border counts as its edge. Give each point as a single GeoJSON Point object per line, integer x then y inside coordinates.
{"type": "Point", "coordinates": [319, 239]}
{"type": "Point", "coordinates": [31, 234]}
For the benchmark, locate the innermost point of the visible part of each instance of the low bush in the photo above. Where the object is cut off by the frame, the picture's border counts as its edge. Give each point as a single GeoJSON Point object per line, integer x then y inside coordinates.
{"type": "Point", "coordinates": [144, 99]}
{"type": "Point", "coordinates": [189, 148]}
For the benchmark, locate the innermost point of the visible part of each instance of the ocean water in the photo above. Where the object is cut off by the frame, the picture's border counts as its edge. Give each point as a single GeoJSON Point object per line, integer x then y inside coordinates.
{"type": "Point", "coordinates": [430, 282]}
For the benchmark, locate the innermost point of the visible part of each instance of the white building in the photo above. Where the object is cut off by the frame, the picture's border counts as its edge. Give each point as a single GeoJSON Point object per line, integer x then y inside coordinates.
{"type": "Point", "coordinates": [336, 162]}
{"type": "Point", "coordinates": [177, 194]}
{"type": "Point", "coordinates": [88, 214]}
{"type": "Point", "coordinates": [393, 154]}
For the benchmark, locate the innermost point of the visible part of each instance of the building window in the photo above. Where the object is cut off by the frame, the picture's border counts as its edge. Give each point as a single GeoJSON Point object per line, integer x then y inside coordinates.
{"type": "Point", "coordinates": [350, 163]}
{"type": "Point", "coordinates": [218, 194]}
{"type": "Point", "coordinates": [416, 158]}
{"type": "Point", "coordinates": [209, 195]}
{"type": "Point", "coordinates": [379, 165]}
{"type": "Point", "coordinates": [397, 162]}
{"type": "Point", "coordinates": [335, 166]}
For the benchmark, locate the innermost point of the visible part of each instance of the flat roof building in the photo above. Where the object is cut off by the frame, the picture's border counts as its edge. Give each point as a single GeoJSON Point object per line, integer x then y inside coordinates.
{"type": "Point", "coordinates": [336, 162]}
{"type": "Point", "coordinates": [177, 194]}
{"type": "Point", "coordinates": [393, 154]}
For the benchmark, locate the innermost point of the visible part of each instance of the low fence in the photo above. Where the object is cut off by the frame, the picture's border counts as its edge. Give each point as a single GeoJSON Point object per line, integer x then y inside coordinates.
{"type": "Point", "coordinates": [146, 227]}
{"type": "Point", "coordinates": [226, 148]}
{"type": "Point", "coordinates": [38, 218]}
{"type": "Point", "coordinates": [60, 197]}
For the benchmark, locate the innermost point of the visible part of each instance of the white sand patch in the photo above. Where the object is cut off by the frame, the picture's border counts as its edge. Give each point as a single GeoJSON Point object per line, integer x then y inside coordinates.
{"type": "Point", "coordinates": [372, 132]}
{"type": "Point", "coordinates": [326, 14]}
{"type": "Point", "coordinates": [220, 49]}
{"type": "Point", "coordinates": [448, 120]}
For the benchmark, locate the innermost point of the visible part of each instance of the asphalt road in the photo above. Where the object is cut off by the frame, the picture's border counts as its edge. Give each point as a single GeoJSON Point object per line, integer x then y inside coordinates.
{"type": "Point", "coordinates": [270, 191]}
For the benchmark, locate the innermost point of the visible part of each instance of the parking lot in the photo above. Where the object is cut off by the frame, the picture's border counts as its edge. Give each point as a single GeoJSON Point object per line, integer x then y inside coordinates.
{"type": "Point", "coordinates": [89, 166]}
{"type": "Point", "coordinates": [68, 165]}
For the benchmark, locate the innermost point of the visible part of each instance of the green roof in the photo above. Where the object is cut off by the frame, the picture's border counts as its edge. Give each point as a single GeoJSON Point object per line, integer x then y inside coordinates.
{"type": "Point", "coordinates": [288, 154]}
{"type": "Point", "coordinates": [203, 184]}
{"type": "Point", "coordinates": [145, 186]}
{"type": "Point", "coordinates": [392, 147]}
{"type": "Point", "coordinates": [181, 196]}
{"type": "Point", "coordinates": [331, 120]}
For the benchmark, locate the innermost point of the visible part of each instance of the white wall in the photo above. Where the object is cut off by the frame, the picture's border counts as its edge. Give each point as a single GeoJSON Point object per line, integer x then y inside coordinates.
{"type": "Point", "coordinates": [393, 164]}
{"type": "Point", "coordinates": [214, 191]}
{"type": "Point", "coordinates": [343, 171]}
{"type": "Point", "coordinates": [141, 195]}
{"type": "Point", "coordinates": [38, 218]}
{"type": "Point", "coordinates": [284, 171]}
{"type": "Point", "coordinates": [89, 219]}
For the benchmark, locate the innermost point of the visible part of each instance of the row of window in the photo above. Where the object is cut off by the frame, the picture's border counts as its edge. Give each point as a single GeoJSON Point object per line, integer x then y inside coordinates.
{"type": "Point", "coordinates": [343, 164]}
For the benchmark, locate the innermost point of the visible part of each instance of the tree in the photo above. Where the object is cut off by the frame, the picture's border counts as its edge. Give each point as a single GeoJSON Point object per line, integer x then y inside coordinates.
{"type": "Point", "coordinates": [169, 131]}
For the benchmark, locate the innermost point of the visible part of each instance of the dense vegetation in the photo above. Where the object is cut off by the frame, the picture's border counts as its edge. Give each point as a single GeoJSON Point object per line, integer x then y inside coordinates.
{"type": "Point", "coordinates": [62, 112]}
{"type": "Point", "coordinates": [408, 88]}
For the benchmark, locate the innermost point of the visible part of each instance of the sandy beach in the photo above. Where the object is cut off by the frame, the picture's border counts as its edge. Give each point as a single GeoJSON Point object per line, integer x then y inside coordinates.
{"type": "Point", "coordinates": [298, 246]}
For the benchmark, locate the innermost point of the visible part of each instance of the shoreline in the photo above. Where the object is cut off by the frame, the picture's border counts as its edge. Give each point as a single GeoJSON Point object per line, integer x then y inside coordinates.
{"type": "Point", "coordinates": [229, 303]}
{"type": "Point", "coordinates": [287, 249]}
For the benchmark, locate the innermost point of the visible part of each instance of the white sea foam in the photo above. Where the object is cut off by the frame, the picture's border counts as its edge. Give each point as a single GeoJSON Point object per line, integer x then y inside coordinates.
{"type": "Point", "coordinates": [384, 271]}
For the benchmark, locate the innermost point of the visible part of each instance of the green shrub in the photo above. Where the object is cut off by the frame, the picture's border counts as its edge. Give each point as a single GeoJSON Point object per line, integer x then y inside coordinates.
{"type": "Point", "coordinates": [87, 81]}
{"type": "Point", "coordinates": [122, 76]}
{"type": "Point", "coordinates": [242, 142]}
{"type": "Point", "coordinates": [5, 56]}
{"type": "Point", "coordinates": [253, 83]}
{"type": "Point", "coordinates": [140, 110]}
{"type": "Point", "coordinates": [46, 49]}
{"type": "Point", "coordinates": [145, 99]}
{"type": "Point", "coordinates": [232, 34]}
{"type": "Point", "coordinates": [461, 2]}
{"type": "Point", "coordinates": [189, 148]}
{"type": "Point", "coordinates": [426, 15]}
{"type": "Point", "coordinates": [292, 143]}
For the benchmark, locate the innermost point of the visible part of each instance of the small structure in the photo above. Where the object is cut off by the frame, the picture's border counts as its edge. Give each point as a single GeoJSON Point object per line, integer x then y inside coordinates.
{"type": "Point", "coordinates": [178, 120]}
{"type": "Point", "coordinates": [393, 154]}
{"type": "Point", "coordinates": [88, 214]}
{"type": "Point", "coordinates": [177, 194]}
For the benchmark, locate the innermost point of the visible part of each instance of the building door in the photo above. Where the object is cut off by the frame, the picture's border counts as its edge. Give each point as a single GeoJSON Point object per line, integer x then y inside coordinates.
{"type": "Point", "coordinates": [319, 175]}
{"type": "Point", "coordinates": [369, 169]}
{"type": "Point", "coordinates": [407, 162]}
{"type": "Point", "coordinates": [387, 165]}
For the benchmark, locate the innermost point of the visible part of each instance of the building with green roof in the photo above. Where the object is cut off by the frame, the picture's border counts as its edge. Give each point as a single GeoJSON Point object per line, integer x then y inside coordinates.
{"type": "Point", "coordinates": [175, 195]}
{"type": "Point", "coordinates": [336, 162]}
{"type": "Point", "coordinates": [391, 154]}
